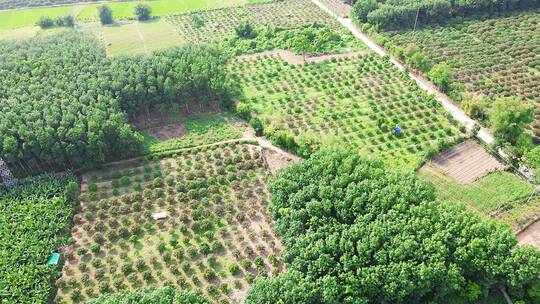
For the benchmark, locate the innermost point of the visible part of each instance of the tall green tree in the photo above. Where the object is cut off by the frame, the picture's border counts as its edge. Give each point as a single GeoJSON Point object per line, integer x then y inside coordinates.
{"type": "Point", "coordinates": [143, 12]}
{"type": "Point", "coordinates": [355, 232]}
{"type": "Point", "coordinates": [105, 15]}
{"type": "Point", "coordinates": [509, 117]}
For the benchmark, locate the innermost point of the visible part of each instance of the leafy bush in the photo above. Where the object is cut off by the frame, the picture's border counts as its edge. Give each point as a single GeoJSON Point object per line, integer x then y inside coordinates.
{"type": "Point", "coordinates": [105, 15]}
{"type": "Point", "coordinates": [143, 12]}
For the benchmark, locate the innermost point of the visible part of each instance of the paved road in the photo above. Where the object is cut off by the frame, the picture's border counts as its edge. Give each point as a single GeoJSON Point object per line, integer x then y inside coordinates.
{"type": "Point", "coordinates": [456, 112]}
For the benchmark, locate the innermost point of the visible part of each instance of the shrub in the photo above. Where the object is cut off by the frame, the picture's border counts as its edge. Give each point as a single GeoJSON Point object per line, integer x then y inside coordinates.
{"type": "Point", "coordinates": [143, 12]}
{"type": "Point", "coordinates": [105, 15]}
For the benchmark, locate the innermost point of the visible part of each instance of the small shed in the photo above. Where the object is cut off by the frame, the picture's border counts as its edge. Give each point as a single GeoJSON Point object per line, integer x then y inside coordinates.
{"type": "Point", "coordinates": [53, 259]}
{"type": "Point", "coordinates": [159, 216]}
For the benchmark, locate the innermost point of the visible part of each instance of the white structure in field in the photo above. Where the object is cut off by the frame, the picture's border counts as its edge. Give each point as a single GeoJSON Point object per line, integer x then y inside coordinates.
{"type": "Point", "coordinates": [10, 182]}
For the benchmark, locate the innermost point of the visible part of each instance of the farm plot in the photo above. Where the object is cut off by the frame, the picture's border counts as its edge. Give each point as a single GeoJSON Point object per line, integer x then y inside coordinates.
{"type": "Point", "coordinates": [208, 25]}
{"type": "Point", "coordinates": [338, 7]}
{"type": "Point", "coordinates": [497, 57]}
{"type": "Point", "coordinates": [216, 237]}
{"type": "Point", "coordinates": [355, 101]}
{"type": "Point", "coordinates": [493, 193]}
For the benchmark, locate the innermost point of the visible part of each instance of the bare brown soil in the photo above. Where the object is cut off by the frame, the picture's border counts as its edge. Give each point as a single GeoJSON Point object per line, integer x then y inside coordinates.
{"type": "Point", "coordinates": [467, 162]}
{"type": "Point", "coordinates": [531, 235]}
{"type": "Point", "coordinates": [292, 58]}
{"type": "Point", "coordinates": [170, 114]}
{"type": "Point", "coordinates": [167, 132]}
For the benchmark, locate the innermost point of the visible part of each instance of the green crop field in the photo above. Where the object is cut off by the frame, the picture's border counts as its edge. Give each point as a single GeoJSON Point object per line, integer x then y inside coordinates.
{"type": "Point", "coordinates": [502, 195]}
{"type": "Point", "coordinates": [208, 25]}
{"type": "Point", "coordinates": [121, 10]}
{"type": "Point", "coordinates": [495, 57]}
{"type": "Point", "coordinates": [354, 101]}
{"type": "Point", "coordinates": [217, 236]}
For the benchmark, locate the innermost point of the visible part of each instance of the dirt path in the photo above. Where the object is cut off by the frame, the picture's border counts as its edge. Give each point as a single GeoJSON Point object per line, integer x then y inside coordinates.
{"type": "Point", "coordinates": [530, 235]}
{"type": "Point", "coordinates": [142, 38]}
{"type": "Point", "coordinates": [423, 83]}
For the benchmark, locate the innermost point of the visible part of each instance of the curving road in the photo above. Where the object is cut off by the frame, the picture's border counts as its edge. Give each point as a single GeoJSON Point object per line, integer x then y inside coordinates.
{"type": "Point", "coordinates": [484, 134]}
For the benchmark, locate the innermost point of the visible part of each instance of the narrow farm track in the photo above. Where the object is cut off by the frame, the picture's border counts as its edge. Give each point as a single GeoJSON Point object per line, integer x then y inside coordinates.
{"type": "Point", "coordinates": [484, 134]}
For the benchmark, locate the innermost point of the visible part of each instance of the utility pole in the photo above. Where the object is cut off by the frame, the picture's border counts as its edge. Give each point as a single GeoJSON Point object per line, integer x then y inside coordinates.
{"type": "Point", "coordinates": [10, 182]}
{"type": "Point", "coordinates": [416, 20]}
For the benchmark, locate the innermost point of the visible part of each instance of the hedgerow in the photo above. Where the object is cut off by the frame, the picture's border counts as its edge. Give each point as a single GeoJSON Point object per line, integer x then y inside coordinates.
{"type": "Point", "coordinates": [167, 295]}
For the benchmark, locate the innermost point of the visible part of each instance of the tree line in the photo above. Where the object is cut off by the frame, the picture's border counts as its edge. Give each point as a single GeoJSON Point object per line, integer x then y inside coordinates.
{"type": "Point", "coordinates": [64, 104]}
{"type": "Point", "coordinates": [355, 232]}
{"type": "Point", "coordinates": [391, 14]}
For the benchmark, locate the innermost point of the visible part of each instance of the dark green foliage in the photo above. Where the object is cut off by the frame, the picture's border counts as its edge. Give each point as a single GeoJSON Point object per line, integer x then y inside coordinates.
{"type": "Point", "coordinates": [63, 103]}
{"type": "Point", "coordinates": [34, 222]}
{"type": "Point", "coordinates": [105, 15]}
{"type": "Point", "coordinates": [167, 295]}
{"type": "Point", "coordinates": [181, 75]}
{"type": "Point", "coordinates": [358, 233]}
{"type": "Point", "coordinates": [401, 14]}
{"type": "Point", "coordinates": [245, 30]}
{"type": "Point", "coordinates": [143, 12]}
{"type": "Point", "coordinates": [45, 22]}
{"type": "Point", "coordinates": [55, 111]}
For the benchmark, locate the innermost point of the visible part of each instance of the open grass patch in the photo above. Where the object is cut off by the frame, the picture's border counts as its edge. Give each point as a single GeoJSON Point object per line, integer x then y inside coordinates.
{"type": "Point", "coordinates": [201, 130]}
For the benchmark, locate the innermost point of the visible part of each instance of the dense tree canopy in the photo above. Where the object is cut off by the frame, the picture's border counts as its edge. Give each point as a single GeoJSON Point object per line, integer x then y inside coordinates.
{"type": "Point", "coordinates": [403, 13]}
{"type": "Point", "coordinates": [63, 103]}
{"type": "Point", "coordinates": [358, 233]}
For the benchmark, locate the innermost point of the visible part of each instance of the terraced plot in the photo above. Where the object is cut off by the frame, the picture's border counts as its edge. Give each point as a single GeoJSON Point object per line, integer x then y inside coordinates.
{"type": "Point", "coordinates": [208, 25]}
{"type": "Point", "coordinates": [356, 101]}
{"type": "Point", "coordinates": [216, 237]}
{"type": "Point", "coordinates": [497, 57]}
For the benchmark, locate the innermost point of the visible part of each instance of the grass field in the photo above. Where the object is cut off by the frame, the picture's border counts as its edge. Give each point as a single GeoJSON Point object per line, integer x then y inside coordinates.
{"type": "Point", "coordinates": [121, 10]}
{"type": "Point", "coordinates": [135, 37]}
{"type": "Point", "coordinates": [355, 101]}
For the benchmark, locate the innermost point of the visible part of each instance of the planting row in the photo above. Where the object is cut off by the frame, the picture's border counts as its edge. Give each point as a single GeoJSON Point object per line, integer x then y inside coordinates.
{"type": "Point", "coordinates": [362, 101]}
{"type": "Point", "coordinates": [216, 236]}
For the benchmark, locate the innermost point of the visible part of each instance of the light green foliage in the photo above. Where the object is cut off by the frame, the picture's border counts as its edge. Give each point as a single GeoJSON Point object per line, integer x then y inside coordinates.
{"type": "Point", "coordinates": [351, 101]}
{"type": "Point", "coordinates": [484, 195]}
{"type": "Point", "coordinates": [355, 232]}
{"type": "Point", "coordinates": [474, 105]}
{"type": "Point", "coordinates": [314, 40]}
{"type": "Point", "coordinates": [509, 117]}
{"type": "Point", "coordinates": [202, 130]}
{"type": "Point", "coordinates": [441, 75]}
{"type": "Point", "coordinates": [34, 222]}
